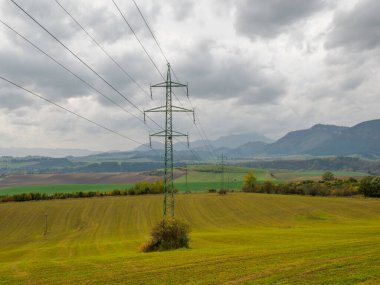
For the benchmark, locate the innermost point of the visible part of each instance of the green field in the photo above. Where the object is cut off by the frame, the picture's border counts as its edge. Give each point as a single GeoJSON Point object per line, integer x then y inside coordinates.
{"type": "Point", "coordinates": [62, 188]}
{"type": "Point", "coordinates": [200, 179]}
{"type": "Point", "coordinates": [286, 175]}
{"type": "Point", "coordinates": [203, 177]}
{"type": "Point", "coordinates": [236, 239]}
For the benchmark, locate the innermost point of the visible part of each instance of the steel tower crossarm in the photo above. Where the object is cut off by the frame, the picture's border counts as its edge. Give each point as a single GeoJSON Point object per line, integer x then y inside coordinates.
{"type": "Point", "coordinates": [168, 133]}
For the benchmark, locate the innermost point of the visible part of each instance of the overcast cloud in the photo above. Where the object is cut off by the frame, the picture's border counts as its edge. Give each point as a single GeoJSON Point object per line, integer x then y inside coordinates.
{"type": "Point", "coordinates": [252, 66]}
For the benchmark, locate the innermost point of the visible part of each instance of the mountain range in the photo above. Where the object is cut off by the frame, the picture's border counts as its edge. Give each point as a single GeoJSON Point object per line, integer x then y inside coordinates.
{"type": "Point", "coordinates": [320, 140]}
{"type": "Point", "coordinates": [49, 152]}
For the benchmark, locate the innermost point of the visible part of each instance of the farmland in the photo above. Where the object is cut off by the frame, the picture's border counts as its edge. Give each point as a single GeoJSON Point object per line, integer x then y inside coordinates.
{"type": "Point", "coordinates": [237, 238]}
{"type": "Point", "coordinates": [200, 179]}
{"type": "Point", "coordinates": [204, 177]}
{"type": "Point", "coordinates": [63, 188]}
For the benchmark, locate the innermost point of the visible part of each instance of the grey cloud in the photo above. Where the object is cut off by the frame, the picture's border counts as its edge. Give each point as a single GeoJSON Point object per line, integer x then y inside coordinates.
{"type": "Point", "coordinates": [108, 26]}
{"type": "Point", "coordinates": [99, 22]}
{"type": "Point", "coordinates": [48, 13]}
{"type": "Point", "coordinates": [139, 68]}
{"type": "Point", "coordinates": [358, 29]}
{"type": "Point", "coordinates": [29, 67]}
{"type": "Point", "coordinates": [41, 75]}
{"type": "Point", "coordinates": [182, 9]}
{"type": "Point", "coordinates": [213, 77]}
{"type": "Point", "coordinates": [268, 19]}
{"type": "Point", "coordinates": [352, 83]}
{"type": "Point", "coordinates": [264, 93]}
{"type": "Point", "coordinates": [12, 100]}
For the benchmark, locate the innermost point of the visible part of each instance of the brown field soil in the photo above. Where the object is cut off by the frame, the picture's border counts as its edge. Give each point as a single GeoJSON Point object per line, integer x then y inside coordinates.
{"type": "Point", "coordinates": [77, 178]}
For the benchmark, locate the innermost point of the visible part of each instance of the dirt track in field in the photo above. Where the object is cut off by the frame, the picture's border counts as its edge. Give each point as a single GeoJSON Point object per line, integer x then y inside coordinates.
{"type": "Point", "coordinates": [77, 178]}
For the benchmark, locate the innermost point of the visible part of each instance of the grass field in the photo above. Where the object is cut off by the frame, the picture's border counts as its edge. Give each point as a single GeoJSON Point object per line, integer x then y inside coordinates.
{"type": "Point", "coordinates": [236, 239]}
{"type": "Point", "coordinates": [204, 177]}
{"type": "Point", "coordinates": [62, 188]}
{"type": "Point", "coordinates": [200, 179]}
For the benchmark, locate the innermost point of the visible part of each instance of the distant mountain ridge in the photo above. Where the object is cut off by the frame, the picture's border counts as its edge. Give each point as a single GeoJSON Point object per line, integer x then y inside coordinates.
{"type": "Point", "coordinates": [236, 140]}
{"type": "Point", "coordinates": [320, 140]}
{"type": "Point", "coordinates": [230, 142]}
{"type": "Point", "coordinates": [48, 152]}
{"type": "Point", "coordinates": [362, 139]}
{"type": "Point", "coordinates": [304, 141]}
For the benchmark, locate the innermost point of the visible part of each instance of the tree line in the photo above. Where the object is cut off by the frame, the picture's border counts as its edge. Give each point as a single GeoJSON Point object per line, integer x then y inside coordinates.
{"type": "Point", "coordinates": [328, 185]}
{"type": "Point", "coordinates": [140, 188]}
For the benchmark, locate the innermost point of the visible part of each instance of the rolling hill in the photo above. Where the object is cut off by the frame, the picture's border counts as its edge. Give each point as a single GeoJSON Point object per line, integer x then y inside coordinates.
{"type": "Point", "coordinates": [236, 238]}
{"type": "Point", "coordinates": [321, 140]}
{"type": "Point", "coordinates": [304, 141]}
{"type": "Point", "coordinates": [363, 139]}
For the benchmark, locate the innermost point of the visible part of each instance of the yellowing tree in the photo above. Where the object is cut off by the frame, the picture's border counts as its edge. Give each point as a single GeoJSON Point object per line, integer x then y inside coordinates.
{"type": "Point", "coordinates": [249, 182]}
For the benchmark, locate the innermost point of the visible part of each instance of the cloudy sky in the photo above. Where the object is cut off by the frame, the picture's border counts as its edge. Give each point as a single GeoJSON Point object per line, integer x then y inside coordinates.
{"type": "Point", "coordinates": [252, 66]}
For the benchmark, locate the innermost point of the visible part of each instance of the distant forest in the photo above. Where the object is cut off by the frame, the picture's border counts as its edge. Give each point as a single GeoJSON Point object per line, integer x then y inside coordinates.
{"type": "Point", "coordinates": [75, 165]}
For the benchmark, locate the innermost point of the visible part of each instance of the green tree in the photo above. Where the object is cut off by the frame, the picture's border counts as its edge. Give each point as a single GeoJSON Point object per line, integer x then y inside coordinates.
{"type": "Point", "coordinates": [370, 186]}
{"type": "Point", "coordinates": [328, 176]}
{"type": "Point", "coordinates": [168, 234]}
{"type": "Point", "coordinates": [250, 182]}
{"type": "Point", "coordinates": [268, 187]}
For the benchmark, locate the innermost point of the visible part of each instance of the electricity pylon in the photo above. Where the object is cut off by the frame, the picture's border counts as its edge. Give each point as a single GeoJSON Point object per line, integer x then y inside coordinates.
{"type": "Point", "coordinates": [168, 133]}
{"type": "Point", "coordinates": [222, 171]}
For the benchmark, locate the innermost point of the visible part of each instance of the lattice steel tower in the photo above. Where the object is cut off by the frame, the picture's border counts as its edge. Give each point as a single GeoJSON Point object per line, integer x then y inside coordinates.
{"type": "Point", "coordinates": [168, 133]}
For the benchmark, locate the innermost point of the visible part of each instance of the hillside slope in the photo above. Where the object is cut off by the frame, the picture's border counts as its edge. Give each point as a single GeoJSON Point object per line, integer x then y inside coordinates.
{"type": "Point", "coordinates": [237, 238]}
{"type": "Point", "coordinates": [363, 139]}
{"type": "Point", "coordinates": [303, 141]}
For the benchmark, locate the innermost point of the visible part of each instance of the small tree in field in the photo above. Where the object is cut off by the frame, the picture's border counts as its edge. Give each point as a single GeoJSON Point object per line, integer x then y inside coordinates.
{"type": "Point", "coordinates": [250, 182]}
{"type": "Point", "coordinates": [268, 187]}
{"type": "Point", "coordinates": [168, 234]}
{"type": "Point", "coordinates": [328, 176]}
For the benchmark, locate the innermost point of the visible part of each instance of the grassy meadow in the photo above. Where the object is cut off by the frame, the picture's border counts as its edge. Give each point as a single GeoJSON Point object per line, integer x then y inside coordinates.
{"type": "Point", "coordinates": [62, 188]}
{"type": "Point", "coordinates": [203, 177]}
{"type": "Point", "coordinates": [200, 178]}
{"type": "Point", "coordinates": [236, 239]}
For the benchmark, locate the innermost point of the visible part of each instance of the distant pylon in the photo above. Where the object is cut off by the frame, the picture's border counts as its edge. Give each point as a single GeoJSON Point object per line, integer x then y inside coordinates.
{"type": "Point", "coordinates": [222, 171]}
{"type": "Point", "coordinates": [169, 134]}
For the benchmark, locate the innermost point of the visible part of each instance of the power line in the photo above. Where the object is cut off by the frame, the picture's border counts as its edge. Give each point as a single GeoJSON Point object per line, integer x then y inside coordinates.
{"type": "Point", "coordinates": [175, 75]}
{"type": "Point", "coordinates": [71, 112]}
{"type": "Point", "coordinates": [68, 70]}
{"type": "Point", "coordinates": [102, 49]}
{"type": "Point", "coordinates": [209, 145]}
{"type": "Point", "coordinates": [85, 64]}
{"type": "Point", "coordinates": [151, 32]}
{"type": "Point", "coordinates": [76, 56]}
{"type": "Point", "coordinates": [142, 45]}
{"type": "Point", "coordinates": [222, 172]}
{"type": "Point", "coordinates": [138, 39]}
{"type": "Point", "coordinates": [157, 43]}
{"type": "Point", "coordinates": [169, 134]}
{"type": "Point", "coordinates": [150, 58]}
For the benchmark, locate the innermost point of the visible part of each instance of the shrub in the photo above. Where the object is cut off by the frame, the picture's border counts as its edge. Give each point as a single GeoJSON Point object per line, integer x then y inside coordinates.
{"type": "Point", "coordinates": [250, 182]}
{"type": "Point", "coordinates": [348, 190]}
{"type": "Point", "coordinates": [166, 235]}
{"type": "Point", "coordinates": [222, 191]}
{"type": "Point", "coordinates": [147, 246]}
{"type": "Point", "coordinates": [328, 176]}
{"type": "Point", "coordinates": [268, 187]}
{"type": "Point", "coordinates": [370, 186]}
